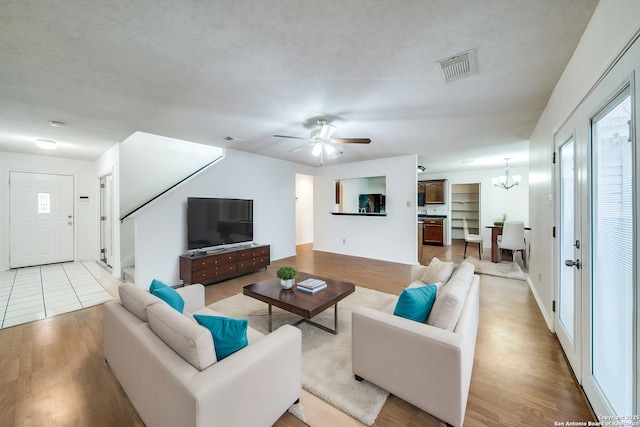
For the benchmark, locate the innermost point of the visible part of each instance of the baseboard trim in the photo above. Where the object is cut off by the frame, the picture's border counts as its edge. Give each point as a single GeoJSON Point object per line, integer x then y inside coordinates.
{"type": "Point", "coordinates": [547, 318]}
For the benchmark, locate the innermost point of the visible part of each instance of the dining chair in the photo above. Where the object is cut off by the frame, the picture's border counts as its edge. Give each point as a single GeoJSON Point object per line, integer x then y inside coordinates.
{"type": "Point", "coordinates": [471, 238]}
{"type": "Point", "coordinates": [513, 240]}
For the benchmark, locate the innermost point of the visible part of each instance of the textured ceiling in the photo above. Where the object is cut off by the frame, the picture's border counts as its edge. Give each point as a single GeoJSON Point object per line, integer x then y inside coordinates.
{"type": "Point", "coordinates": [204, 70]}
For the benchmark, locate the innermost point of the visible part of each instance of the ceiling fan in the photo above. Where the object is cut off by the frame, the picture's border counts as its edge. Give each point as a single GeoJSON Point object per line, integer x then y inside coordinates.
{"type": "Point", "coordinates": [322, 142]}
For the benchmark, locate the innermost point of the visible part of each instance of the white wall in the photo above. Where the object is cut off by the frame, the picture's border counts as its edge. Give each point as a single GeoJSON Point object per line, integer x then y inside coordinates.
{"type": "Point", "coordinates": [161, 229]}
{"type": "Point", "coordinates": [304, 209]}
{"type": "Point", "coordinates": [85, 213]}
{"type": "Point", "coordinates": [612, 27]}
{"type": "Point", "coordinates": [494, 202]}
{"type": "Point", "coordinates": [150, 164]}
{"type": "Point", "coordinates": [390, 238]}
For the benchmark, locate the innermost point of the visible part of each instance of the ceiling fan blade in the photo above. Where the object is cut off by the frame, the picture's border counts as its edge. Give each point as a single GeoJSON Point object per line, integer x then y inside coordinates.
{"type": "Point", "coordinates": [303, 147]}
{"type": "Point", "coordinates": [351, 140]}
{"type": "Point", "coordinates": [292, 137]}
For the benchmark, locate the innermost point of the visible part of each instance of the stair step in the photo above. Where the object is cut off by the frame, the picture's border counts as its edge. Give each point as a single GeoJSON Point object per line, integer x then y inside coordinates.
{"type": "Point", "coordinates": [129, 274]}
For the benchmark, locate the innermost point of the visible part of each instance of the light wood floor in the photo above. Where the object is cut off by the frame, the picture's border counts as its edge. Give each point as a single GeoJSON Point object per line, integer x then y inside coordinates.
{"type": "Point", "coordinates": [52, 372]}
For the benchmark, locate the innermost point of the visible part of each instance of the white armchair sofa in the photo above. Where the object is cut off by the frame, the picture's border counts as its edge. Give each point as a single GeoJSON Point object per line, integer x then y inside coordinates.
{"type": "Point", "coordinates": [251, 387]}
{"type": "Point", "coordinates": [428, 366]}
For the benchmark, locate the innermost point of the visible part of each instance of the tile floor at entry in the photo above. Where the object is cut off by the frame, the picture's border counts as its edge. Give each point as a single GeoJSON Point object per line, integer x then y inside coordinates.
{"type": "Point", "coordinates": [34, 293]}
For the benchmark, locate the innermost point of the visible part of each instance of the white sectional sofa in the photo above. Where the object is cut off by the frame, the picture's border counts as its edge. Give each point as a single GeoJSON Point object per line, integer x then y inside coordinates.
{"type": "Point", "coordinates": [428, 366]}
{"type": "Point", "coordinates": [252, 387]}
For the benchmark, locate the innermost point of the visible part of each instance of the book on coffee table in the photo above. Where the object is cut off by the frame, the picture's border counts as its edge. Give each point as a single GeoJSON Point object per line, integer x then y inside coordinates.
{"type": "Point", "coordinates": [312, 291]}
{"type": "Point", "coordinates": [312, 283]}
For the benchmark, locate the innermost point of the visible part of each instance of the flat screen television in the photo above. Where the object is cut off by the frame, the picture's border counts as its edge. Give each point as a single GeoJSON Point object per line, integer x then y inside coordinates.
{"type": "Point", "coordinates": [216, 222]}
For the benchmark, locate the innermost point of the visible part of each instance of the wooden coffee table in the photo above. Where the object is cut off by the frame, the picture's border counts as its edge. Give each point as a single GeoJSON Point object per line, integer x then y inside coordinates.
{"type": "Point", "coordinates": [301, 303]}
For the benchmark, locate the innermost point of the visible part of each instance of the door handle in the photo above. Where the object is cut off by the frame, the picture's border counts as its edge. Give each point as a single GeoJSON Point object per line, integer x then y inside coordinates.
{"type": "Point", "coordinates": [572, 263]}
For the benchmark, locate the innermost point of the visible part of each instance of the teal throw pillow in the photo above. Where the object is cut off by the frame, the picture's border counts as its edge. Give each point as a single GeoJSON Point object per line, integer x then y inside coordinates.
{"type": "Point", "coordinates": [155, 284]}
{"type": "Point", "coordinates": [229, 335]}
{"type": "Point", "coordinates": [170, 296]}
{"type": "Point", "coordinates": [416, 303]}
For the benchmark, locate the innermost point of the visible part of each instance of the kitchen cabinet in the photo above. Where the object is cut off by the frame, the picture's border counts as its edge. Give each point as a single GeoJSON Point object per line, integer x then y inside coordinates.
{"type": "Point", "coordinates": [433, 232]}
{"type": "Point", "coordinates": [431, 192]}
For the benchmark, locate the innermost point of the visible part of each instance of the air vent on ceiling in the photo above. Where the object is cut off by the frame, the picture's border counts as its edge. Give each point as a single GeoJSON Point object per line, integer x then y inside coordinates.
{"type": "Point", "coordinates": [457, 67]}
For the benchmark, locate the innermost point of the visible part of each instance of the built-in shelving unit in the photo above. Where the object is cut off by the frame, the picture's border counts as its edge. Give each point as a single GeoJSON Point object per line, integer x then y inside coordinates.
{"type": "Point", "coordinates": [465, 203]}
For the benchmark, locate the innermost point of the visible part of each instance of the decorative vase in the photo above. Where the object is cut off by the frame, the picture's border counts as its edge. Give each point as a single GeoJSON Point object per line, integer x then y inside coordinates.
{"type": "Point", "coordinates": [287, 284]}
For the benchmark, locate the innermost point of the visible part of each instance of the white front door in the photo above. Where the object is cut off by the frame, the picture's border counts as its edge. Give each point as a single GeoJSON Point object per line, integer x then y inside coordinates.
{"type": "Point", "coordinates": [41, 218]}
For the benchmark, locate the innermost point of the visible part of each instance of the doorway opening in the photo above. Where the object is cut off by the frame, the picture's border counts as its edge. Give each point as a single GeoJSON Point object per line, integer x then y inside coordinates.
{"type": "Point", "coordinates": [106, 219]}
{"type": "Point", "coordinates": [304, 209]}
{"type": "Point", "coordinates": [465, 204]}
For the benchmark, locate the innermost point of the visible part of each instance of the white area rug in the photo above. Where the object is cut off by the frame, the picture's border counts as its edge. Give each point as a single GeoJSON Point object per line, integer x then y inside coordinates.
{"type": "Point", "coordinates": [508, 269]}
{"type": "Point", "coordinates": [326, 358]}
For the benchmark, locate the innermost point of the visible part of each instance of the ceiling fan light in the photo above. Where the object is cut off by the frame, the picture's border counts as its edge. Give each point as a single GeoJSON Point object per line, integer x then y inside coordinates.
{"type": "Point", "coordinates": [46, 144]}
{"type": "Point", "coordinates": [317, 149]}
{"type": "Point", "coordinates": [327, 130]}
{"type": "Point", "coordinates": [328, 147]}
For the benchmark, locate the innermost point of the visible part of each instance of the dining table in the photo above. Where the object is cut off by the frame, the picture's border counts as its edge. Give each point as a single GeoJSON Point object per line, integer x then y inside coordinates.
{"type": "Point", "coordinates": [496, 230]}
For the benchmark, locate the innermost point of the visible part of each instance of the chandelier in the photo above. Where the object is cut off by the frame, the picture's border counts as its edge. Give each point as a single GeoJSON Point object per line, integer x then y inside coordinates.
{"type": "Point", "coordinates": [506, 181]}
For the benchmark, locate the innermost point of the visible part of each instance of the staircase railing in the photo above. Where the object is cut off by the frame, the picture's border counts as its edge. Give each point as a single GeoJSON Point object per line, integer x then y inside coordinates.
{"type": "Point", "coordinates": [196, 172]}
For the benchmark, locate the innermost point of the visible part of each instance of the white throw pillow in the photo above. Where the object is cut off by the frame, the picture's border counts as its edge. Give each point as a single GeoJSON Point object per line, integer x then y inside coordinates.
{"type": "Point", "coordinates": [449, 304]}
{"type": "Point", "coordinates": [437, 271]}
{"type": "Point", "coordinates": [190, 340]}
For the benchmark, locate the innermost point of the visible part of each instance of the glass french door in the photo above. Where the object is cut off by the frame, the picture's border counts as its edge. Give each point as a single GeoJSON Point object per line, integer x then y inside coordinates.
{"type": "Point", "coordinates": [569, 226]}
{"type": "Point", "coordinates": [610, 379]}
{"type": "Point", "coordinates": [597, 185]}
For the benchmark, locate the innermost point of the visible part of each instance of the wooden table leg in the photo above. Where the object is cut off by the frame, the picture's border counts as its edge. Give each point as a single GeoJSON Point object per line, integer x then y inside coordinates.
{"type": "Point", "coordinates": [495, 232]}
{"type": "Point", "coordinates": [269, 317]}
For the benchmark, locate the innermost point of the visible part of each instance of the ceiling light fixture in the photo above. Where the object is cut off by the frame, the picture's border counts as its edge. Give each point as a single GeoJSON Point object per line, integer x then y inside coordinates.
{"type": "Point", "coordinates": [317, 149]}
{"type": "Point", "coordinates": [327, 147]}
{"type": "Point", "coordinates": [46, 144]}
{"type": "Point", "coordinates": [326, 130]}
{"type": "Point", "coordinates": [57, 124]}
{"type": "Point", "coordinates": [421, 168]}
{"type": "Point", "coordinates": [321, 138]}
{"type": "Point", "coordinates": [506, 181]}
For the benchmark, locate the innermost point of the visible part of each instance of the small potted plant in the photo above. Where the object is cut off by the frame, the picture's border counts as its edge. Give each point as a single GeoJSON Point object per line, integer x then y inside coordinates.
{"type": "Point", "coordinates": [501, 223]}
{"type": "Point", "coordinates": [287, 275]}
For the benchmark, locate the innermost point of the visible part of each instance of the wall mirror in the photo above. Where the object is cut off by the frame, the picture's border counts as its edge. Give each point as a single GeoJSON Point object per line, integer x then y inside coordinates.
{"type": "Point", "coordinates": [361, 196]}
